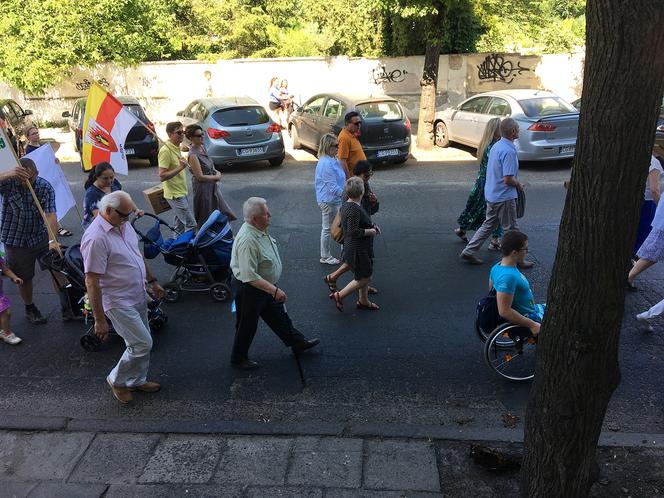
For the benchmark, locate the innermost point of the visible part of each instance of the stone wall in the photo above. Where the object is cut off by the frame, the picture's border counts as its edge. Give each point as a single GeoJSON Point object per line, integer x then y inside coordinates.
{"type": "Point", "coordinates": [166, 87]}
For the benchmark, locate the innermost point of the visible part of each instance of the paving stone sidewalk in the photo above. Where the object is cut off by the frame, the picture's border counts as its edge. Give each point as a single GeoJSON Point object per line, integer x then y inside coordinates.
{"type": "Point", "coordinates": [63, 464]}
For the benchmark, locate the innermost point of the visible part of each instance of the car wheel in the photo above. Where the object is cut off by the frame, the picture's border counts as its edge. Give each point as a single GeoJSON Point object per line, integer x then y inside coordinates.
{"type": "Point", "coordinates": [295, 137]}
{"type": "Point", "coordinates": [441, 136]}
{"type": "Point", "coordinates": [277, 161]}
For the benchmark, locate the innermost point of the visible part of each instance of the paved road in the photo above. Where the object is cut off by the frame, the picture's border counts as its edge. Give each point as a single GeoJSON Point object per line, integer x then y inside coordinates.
{"type": "Point", "coordinates": [416, 361]}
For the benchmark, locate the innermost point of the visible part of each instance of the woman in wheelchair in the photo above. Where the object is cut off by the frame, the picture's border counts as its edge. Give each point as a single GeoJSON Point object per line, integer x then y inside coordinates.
{"type": "Point", "coordinates": [513, 295]}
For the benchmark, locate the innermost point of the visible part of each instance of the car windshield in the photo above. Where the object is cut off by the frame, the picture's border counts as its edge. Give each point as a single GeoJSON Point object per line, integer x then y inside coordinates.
{"type": "Point", "coordinates": [241, 116]}
{"type": "Point", "coordinates": [386, 110]}
{"type": "Point", "coordinates": [545, 106]}
{"type": "Point", "coordinates": [136, 110]}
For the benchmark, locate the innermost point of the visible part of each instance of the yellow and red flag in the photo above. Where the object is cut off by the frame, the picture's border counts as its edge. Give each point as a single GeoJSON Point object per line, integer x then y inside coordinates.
{"type": "Point", "coordinates": [106, 124]}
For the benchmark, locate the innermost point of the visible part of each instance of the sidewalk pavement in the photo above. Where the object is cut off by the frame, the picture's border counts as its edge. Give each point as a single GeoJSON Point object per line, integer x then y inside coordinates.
{"type": "Point", "coordinates": [63, 464]}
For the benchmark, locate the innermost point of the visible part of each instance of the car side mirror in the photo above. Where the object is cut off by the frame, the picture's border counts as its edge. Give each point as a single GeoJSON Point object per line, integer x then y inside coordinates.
{"type": "Point", "coordinates": [66, 114]}
{"type": "Point", "coordinates": [27, 112]}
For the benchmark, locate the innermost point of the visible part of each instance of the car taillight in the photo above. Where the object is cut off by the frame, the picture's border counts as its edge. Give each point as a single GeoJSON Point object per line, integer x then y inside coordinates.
{"type": "Point", "coordinates": [274, 128]}
{"type": "Point", "coordinates": [407, 123]}
{"type": "Point", "coordinates": [214, 133]}
{"type": "Point", "coordinates": [541, 127]}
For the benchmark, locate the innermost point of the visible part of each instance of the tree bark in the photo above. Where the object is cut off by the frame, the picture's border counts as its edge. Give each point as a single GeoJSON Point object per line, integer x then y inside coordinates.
{"type": "Point", "coordinates": [577, 365]}
{"type": "Point", "coordinates": [429, 81]}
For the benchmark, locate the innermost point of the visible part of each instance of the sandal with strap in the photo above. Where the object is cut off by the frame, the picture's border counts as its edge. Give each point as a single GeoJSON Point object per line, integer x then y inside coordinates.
{"type": "Point", "coordinates": [63, 232]}
{"type": "Point", "coordinates": [331, 284]}
{"type": "Point", "coordinates": [337, 300]}
{"type": "Point", "coordinates": [461, 234]}
{"type": "Point", "coordinates": [371, 306]}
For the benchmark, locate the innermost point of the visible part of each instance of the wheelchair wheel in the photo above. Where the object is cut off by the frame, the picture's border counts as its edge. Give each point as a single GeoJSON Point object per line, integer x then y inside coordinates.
{"type": "Point", "coordinates": [172, 293]}
{"type": "Point", "coordinates": [91, 343]}
{"type": "Point", "coordinates": [513, 361]}
{"type": "Point", "coordinates": [501, 342]}
{"type": "Point", "coordinates": [220, 292]}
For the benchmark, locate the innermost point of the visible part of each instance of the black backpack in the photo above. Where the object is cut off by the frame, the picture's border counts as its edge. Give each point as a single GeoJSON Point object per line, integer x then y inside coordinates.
{"type": "Point", "coordinates": [487, 313]}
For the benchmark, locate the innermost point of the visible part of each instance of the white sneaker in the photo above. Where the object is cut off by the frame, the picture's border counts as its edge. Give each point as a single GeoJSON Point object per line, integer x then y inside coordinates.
{"type": "Point", "coordinates": [644, 323]}
{"type": "Point", "coordinates": [10, 338]}
{"type": "Point", "coordinates": [332, 261]}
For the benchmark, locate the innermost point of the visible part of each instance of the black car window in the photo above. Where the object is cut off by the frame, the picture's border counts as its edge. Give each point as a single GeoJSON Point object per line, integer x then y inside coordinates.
{"type": "Point", "coordinates": [314, 106]}
{"type": "Point", "coordinates": [241, 116]}
{"type": "Point", "coordinates": [9, 113]}
{"type": "Point", "coordinates": [199, 113]}
{"type": "Point", "coordinates": [188, 110]}
{"type": "Point", "coordinates": [474, 105]}
{"type": "Point", "coordinates": [333, 109]}
{"type": "Point", "coordinates": [499, 107]}
{"type": "Point", "coordinates": [386, 110]}
{"type": "Point", "coordinates": [136, 110]}
{"type": "Point", "coordinates": [545, 106]}
{"type": "Point", "coordinates": [17, 109]}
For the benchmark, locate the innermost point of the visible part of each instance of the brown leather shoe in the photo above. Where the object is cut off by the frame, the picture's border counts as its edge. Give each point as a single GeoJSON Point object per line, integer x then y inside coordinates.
{"type": "Point", "coordinates": [148, 387]}
{"type": "Point", "coordinates": [122, 394]}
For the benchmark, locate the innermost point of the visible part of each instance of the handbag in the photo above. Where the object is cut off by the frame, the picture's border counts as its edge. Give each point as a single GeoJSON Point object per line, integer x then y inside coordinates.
{"type": "Point", "coordinates": [520, 203]}
{"type": "Point", "coordinates": [335, 229]}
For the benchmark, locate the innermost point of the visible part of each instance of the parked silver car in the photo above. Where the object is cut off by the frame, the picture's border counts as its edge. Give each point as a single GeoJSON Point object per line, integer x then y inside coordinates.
{"type": "Point", "coordinates": [237, 130]}
{"type": "Point", "coordinates": [548, 124]}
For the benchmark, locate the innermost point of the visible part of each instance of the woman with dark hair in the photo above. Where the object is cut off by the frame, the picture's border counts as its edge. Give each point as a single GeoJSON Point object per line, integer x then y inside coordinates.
{"type": "Point", "coordinates": [100, 182]}
{"type": "Point", "coordinates": [205, 179]}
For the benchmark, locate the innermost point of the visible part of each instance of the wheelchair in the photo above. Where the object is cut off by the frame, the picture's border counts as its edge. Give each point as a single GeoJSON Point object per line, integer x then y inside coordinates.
{"type": "Point", "coordinates": [509, 350]}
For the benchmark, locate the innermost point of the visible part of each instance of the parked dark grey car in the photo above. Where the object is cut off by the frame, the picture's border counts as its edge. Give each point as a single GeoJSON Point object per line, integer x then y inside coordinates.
{"type": "Point", "coordinates": [237, 130]}
{"type": "Point", "coordinates": [15, 114]}
{"type": "Point", "coordinates": [139, 143]}
{"type": "Point", "coordinates": [385, 131]}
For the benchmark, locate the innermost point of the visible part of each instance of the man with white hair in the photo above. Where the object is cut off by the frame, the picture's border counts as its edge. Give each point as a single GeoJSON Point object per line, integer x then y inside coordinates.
{"type": "Point", "coordinates": [500, 191]}
{"type": "Point", "coordinates": [256, 267]}
{"type": "Point", "coordinates": [115, 277]}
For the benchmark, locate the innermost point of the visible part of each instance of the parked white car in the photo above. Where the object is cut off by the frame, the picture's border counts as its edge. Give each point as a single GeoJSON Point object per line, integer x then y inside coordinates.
{"type": "Point", "coordinates": [548, 124]}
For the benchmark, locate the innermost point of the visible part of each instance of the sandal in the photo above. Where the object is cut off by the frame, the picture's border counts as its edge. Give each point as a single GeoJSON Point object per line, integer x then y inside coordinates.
{"type": "Point", "coordinates": [372, 290]}
{"type": "Point", "coordinates": [337, 300]}
{"type": "Point", "coordinates": [331, 284]}
{"type": "Point", "coordinates": [63, 232]}
{"type": "Point", "coordinates": [371, 306]}
{"type": "Point", "coordinates": [461, 234]}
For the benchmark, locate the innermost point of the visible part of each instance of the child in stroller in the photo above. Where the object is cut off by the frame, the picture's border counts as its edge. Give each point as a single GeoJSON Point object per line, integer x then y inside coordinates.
{"type": "Point", "coordinates": [73, 292]}
{"type": "Point", "coordinates": [201, 260]}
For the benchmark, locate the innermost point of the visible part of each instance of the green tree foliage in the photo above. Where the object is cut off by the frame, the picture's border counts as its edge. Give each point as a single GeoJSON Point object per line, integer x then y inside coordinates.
{"type": "Point", "coordinates": [44, 39]}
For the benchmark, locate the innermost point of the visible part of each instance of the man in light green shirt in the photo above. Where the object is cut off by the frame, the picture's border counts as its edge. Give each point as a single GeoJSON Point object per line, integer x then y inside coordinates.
{"type": "Point", "coordinates": [256, 267]}
{"type": "Point", "coordinates": [173, 177]}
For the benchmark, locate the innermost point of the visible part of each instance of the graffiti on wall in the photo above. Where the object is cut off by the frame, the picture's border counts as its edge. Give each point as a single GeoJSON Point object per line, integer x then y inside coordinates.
{"type": "Point", "coordinates": [381, 75]}
{"type": "Point", "coordinates": [85, 83]}
{"type": "Point", "coordinates": [496, 68]}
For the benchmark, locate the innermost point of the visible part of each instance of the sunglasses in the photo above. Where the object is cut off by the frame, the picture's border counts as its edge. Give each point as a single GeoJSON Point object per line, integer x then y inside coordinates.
{"type": "Point", "coordinates": [356, 123]}
{"type": "Point", "coordinates": [199, 135]}
{"type": "Point", "coordinates": [122, 215]}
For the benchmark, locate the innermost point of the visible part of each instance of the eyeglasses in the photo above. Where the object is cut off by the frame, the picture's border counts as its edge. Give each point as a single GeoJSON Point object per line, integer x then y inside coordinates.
{"type": "Point", "coordinates": [122, 215]}
{"type": "Point", "coordinates": [524, 249]}
{"type": "Point", "coordinates": [356, 123]}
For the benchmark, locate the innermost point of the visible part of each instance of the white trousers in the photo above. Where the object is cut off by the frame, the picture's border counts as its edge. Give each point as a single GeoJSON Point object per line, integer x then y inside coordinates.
{"type": "Point", "coordinates": [653, 312]}
{"type": "Point", "coordinates": [329, 211]}
{"type": "Point", "coordinates": [132, 325]}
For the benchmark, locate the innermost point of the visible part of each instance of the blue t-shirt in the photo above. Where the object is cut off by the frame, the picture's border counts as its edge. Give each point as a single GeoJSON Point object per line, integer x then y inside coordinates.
{"type": "Point", "coordinates": [92, 196]}
{"type": "Point", "coordinates": [510, 280]}
{"type": "Point", "coordinates": [503, 162]}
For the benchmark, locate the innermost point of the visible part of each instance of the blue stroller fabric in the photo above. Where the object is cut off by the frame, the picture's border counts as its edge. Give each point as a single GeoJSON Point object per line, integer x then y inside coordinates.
{"type": "Point", "coordinates": [215, 240]}
{"type": "Point", "coordinates": [155, 242]}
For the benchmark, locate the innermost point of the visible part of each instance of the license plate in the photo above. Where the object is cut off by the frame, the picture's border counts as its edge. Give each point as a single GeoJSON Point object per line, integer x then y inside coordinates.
{"type": "Point", "coordinates": [387, 153]}
{"type": "Point", "coordinates": [567, 149]}
{"type": "Point", "coordinates": [251, 151]}
{"type": "Point", "coordinates": [129, 152]}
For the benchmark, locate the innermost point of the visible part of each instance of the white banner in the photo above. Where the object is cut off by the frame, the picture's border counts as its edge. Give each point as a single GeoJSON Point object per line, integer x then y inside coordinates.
{"type": "Point", "coordinates": [51, 171]}
{"type": "Point", "coordinates": [8, 159]}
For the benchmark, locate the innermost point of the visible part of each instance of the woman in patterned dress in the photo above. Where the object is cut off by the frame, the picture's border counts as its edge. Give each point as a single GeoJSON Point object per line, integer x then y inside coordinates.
{"type": "Point", "coordinates": [474, 214]}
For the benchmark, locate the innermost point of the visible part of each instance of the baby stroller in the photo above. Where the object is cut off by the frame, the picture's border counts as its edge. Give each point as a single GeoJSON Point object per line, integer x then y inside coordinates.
{"type": "Point", "coordinates": [72, 292]}
{"type": "Point", "coordinates": [201, 260]}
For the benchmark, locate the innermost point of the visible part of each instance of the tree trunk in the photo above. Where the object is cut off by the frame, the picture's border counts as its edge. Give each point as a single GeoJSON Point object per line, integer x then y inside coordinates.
{"type": "Point", "coordinates": [429, 81]}
{"type": "Point", "coordinates": [577, 365]}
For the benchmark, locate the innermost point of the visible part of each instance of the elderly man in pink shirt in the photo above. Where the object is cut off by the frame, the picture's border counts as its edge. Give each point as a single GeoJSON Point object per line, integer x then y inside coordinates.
{"type": "Point", "coordinates": [115, 276]}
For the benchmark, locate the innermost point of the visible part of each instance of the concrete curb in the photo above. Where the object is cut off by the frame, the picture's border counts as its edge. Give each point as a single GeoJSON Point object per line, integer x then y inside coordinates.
{"type": "Point", "coordinates": [311, 428]}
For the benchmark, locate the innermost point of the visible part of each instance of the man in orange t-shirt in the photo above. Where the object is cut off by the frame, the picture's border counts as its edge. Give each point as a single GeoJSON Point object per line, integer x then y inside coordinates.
{"type": "Point", "coordinates": [350, 149]}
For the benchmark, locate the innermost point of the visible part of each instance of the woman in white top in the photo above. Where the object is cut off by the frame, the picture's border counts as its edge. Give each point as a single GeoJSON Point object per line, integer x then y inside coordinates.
{"type": "Point", "coordinates": [650, 201]}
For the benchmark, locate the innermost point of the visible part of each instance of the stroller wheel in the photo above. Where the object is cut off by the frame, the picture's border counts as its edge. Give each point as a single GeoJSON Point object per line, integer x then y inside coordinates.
{"type": "Point", "coordinates": [220, 292]}
{"type": "Point", "coordinates": [91, 343]}
{"type": "Point", "coordinates": [172, 293]}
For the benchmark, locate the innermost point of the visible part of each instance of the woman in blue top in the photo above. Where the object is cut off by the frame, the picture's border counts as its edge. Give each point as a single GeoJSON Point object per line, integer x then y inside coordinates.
{"type": "Point", "coordinates": [329, 181]}
{"type": "Point", "coordinates": [513, 294]}
{"type": "Point", "coordinates": [100, 182]}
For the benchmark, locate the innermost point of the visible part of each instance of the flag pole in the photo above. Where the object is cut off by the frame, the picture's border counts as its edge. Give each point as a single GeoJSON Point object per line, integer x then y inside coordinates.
{"type": "Point", "coordinates": [51, 234]}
